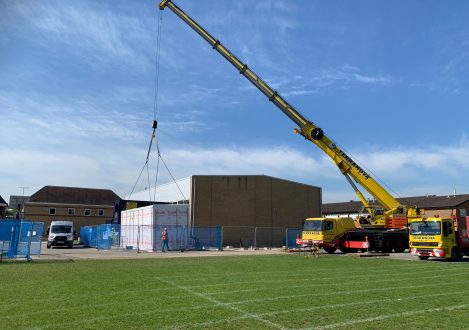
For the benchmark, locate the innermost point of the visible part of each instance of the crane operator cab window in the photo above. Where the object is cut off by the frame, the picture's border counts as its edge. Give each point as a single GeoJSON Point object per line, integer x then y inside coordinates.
{"type": "Point", "coordinates": [318, 225]}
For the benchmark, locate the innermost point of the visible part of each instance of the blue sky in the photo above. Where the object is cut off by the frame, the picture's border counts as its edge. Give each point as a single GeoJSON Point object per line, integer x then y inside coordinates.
{"type": "Point", "coordinates": [388, 81]}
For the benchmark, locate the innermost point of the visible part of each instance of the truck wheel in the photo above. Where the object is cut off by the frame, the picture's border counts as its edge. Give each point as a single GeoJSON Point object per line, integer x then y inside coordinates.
{"type": "Point", "coordinates": [455, 254]}
{"type": "Point", "coordinates": [329, 249]}
{"type": "Point", "coordinates": [423, 258]}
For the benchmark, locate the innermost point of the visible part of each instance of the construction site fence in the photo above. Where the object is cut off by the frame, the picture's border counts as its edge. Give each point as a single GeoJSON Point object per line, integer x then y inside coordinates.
{"type": "Point", "coordinates": [20, 238]}
{"type": "Point", "coordinates": [148, 237]}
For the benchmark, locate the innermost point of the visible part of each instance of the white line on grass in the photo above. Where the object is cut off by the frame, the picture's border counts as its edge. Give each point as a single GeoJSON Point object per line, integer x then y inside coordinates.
{"type": "Point", "coordinates": [315, 285]}
{"type": "Point", "coordinates": [328, 282]}
{"type": "Point", "coordinates": [100, 318]}
{"type": "Point", "coordinates": [340, 292]}
{"type": "Point", "coordinates": [311, 271]}
{"type": "Point", "coordinates": [223, 305]}
{"type": "Point", "coordinates": [10, 304]}
{"type": "Point", "coordinates": [296, 310]}
{"type": "Point", "coordinates": [289, 279]}
{"type": "Point", "coordinates": [174, 310]}
{"type": "Point", "coordinates": [299, 273]}
{"type": "Point", "coordinates": [388, 316]}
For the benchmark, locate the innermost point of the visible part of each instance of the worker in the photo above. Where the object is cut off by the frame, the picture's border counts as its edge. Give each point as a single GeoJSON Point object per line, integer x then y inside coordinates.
{"type": "Point", "coordinates": [164, 239]}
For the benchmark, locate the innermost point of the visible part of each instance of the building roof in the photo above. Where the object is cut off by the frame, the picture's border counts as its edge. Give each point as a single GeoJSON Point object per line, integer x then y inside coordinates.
{"type": "Point", "coordinates": [168, 192]}
{"type": "Point", "coordinates": [2, 202]}
{"type": "Point", "coordinates": [72, 195]}
{"type": "Point", "coordinates": [426, 202]}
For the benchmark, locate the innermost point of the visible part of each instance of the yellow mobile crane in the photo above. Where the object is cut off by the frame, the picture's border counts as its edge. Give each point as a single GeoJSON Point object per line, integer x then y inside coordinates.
{"type": "Point", "coordinates": [389, 215]}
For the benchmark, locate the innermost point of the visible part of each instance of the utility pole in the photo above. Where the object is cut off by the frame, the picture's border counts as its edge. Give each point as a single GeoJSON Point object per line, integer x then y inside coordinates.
{"type": "Point", "coordinates": [23, 188]}
{"type": "Point", "coordinates": [20, 206]}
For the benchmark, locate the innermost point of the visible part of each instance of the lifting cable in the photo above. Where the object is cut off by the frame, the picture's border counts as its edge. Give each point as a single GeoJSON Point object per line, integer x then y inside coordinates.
{"type": "Point", "coordinates": [155, 124]}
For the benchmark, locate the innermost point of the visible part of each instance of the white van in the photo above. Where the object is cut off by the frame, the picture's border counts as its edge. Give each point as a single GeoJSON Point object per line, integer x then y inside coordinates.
{"type": "Point", "coordinates": [60, 233]}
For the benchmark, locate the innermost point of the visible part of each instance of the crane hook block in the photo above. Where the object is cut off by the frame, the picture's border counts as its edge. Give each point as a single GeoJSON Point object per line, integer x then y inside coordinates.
{"type": "Point", "coordinates": [317, 133]}
{"type": "Point", "coordinates": [155, 124]}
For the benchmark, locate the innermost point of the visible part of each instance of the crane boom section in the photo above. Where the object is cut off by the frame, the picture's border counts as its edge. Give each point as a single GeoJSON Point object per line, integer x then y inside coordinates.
{"type": "Point", "coordinates": [308, 129]}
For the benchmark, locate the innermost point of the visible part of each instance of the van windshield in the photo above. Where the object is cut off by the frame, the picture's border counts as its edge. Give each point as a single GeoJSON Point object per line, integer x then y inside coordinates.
{"type": "Point", "coordinates": [425, 228]}
{"type": "Point", "coordinates": [61, 229]}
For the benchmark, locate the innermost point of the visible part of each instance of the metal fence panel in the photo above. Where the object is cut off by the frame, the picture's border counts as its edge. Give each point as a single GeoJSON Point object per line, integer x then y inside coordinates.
{"type": "Point", "coordinates": [238, 236]}
{"type": "Point", "coordinates": [88, 236]}
{"type": "Point", "coordinates": [20, 238]}
{"type": "Point", "coordinates": [269, 237]}
{"type": "Point", "coordinates": [204, 238]}
{"type": "Point", "coordinates": [108, 236]}
{"type": "Point", "coordinates": [291, 235]}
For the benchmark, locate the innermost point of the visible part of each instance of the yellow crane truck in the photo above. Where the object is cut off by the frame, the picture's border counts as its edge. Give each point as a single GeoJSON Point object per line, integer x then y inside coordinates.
{"type": "Point", "coordinates": [439, 237]}
{"type": "Point", "coordinates": [388, 220]}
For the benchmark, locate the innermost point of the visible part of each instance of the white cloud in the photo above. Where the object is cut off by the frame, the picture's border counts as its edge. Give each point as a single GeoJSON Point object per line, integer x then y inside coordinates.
{"type": "Point", "coordinates": [118, 169]}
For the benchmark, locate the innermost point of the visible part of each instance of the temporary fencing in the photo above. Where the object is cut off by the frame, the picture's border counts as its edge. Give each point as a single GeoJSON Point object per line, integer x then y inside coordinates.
{"type": "Point", "coordinates": [148, 237]}
{"type": "Point", "coordinates": [269, 237]}
{"type": "Point", "coordinates": [102, 237]}
{"type": "Point", "coordinates": [239, 236]}
{"type": "Point", "coordinates": [291, 235]}
{"type": "Point", "coordinates": [20, 238]}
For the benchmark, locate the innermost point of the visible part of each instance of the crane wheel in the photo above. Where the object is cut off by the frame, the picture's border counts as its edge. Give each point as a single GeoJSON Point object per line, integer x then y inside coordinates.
{"type": "Point", "coordinates": [329, 249]}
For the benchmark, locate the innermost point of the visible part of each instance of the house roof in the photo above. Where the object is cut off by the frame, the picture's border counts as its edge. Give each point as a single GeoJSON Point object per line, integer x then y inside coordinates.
{"type": "Point", "coordinates": [2, 201]}
{"type": "Point", "coordinates": [431, 202]}
{"type": "Point", "coordinates": [73, 195]}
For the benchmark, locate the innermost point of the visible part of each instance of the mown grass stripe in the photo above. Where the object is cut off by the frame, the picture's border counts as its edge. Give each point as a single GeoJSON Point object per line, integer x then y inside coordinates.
{"type": "Point", "coordinates": [313, 308]}
{"type": "Point", "coordinates": [329, 279]}
{"type": "Point", "coordinates": [388, 316]}
{"type": "Point", "coordinates": [11, 303]}
{"type": "Point", "coordinates": [220, 304]}
{"type": "Point", "coordinates": [344, 292]}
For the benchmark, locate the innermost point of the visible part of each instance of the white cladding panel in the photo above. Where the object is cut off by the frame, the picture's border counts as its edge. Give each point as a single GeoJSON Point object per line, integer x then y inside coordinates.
{"type": "Point", "coordinates": [141, 227]}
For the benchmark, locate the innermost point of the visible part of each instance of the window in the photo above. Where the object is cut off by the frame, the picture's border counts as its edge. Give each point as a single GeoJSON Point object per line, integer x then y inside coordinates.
{"type": "Point", "coordinates": [425, 228]}
{"type": "Point", "coordinates": [100, 212]}
{"type": "Point", "coordinates": [71, 211]}
{"type": "Point", "coordinates": [52, 211]}
{"type": "Point", "coordinates": [328, 225]}
{"type": "Point", "coordinates": [61, 229]}
{"type": "Point", "coordinates": [462, 213]}
{"type": "Point", "coordinates": [87, 212]}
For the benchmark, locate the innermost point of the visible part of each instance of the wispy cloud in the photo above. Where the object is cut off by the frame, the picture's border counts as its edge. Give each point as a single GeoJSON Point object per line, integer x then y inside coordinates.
{"type": "Point", "coordinates": [90, 30]}
{"type": "Point", "coordinates": [314, 82]}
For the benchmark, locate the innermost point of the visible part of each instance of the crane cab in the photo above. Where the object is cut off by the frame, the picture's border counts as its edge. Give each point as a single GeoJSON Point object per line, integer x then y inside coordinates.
{"type": "Point", "coordinates": [326, 231]}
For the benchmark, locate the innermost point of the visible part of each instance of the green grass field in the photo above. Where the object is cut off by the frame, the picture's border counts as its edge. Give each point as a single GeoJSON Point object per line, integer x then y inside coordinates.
{"type": "Point", "coordinates": [247, 292]}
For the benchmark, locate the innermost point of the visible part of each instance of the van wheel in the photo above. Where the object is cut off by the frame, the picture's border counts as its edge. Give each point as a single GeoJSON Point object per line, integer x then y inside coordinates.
{"type": "Point", "coordinates": [329, 249]}
{"type": "Point", "coordinates": [49, 245]}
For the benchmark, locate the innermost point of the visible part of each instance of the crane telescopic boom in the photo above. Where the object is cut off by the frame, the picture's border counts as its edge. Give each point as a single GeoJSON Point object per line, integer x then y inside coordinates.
{"type": "Point", "coordinates": [309, 130]}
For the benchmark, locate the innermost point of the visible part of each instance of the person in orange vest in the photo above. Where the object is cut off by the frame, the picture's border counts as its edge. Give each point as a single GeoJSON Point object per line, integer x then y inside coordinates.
{"type": "Point", "coordinates": [164, 239]}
